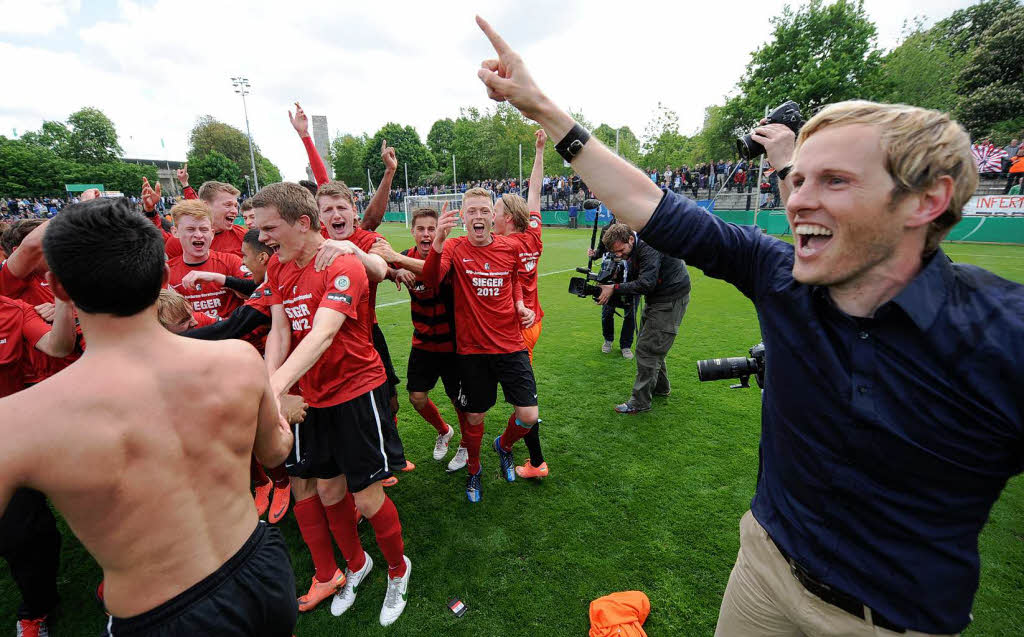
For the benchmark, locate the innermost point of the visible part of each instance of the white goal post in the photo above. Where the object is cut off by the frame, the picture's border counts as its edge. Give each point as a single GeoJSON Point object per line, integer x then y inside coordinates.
{"type": "Point", "coordinates": [434, 202]}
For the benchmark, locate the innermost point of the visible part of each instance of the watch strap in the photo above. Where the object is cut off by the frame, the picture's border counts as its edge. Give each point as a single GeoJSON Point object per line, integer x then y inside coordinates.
{"type": "Point", "coordinates": [572, 143]}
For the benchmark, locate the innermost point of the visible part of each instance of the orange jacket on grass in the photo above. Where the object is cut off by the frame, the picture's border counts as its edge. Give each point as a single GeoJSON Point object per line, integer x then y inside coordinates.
{"type": "Point", "coordinates": [619, 615]}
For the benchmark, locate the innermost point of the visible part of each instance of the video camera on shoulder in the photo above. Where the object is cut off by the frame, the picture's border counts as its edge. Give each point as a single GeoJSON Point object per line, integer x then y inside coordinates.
{"type": "Point", "coordinates": [787, 114]}
{"type": "Point", "coordinates": [612, 270]}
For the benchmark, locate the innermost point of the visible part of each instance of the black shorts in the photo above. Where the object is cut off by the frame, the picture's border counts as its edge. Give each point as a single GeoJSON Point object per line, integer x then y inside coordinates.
{"type": "Point", "coordinates": [426, 367]}
{"type": "Point", "coordinates": [252, 594]}
{"type": "Point", "coordinates": [344, 439]}
{"type": "Point", "coordinates": [381, 346]}
{"type": "Point", "coordinates": [481, 374]}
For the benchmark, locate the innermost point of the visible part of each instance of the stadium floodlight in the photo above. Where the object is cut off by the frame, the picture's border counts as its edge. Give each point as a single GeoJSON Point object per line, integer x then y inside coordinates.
{"type": "Point", "coordinates": [242, 87]}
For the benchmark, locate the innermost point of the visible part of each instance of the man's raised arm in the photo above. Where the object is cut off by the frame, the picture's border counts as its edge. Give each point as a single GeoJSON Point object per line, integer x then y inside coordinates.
{"type": "Point", "coordinates": [27, 258]}
{"type": "Point", "coordinates": [537, 174]}
{"type": "Point", "coordinates": [374, 213]}
{"type": "Point", "coordinates": [316, 163]}
{"type": "Point", "coordinates": [616, 182]}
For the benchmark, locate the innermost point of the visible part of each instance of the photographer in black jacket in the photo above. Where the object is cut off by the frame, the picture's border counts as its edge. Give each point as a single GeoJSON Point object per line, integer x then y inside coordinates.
{"type": "Point", "coordinates": [665, 284]}
{"type": "Point", "coordinates": [608, 311]}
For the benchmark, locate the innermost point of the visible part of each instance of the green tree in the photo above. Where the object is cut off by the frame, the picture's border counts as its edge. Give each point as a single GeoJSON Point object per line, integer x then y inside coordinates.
{"type": "Point", "coordinates": [267, 171]}
{"type": "Point", "coordinates": [408, 147]}
{"type": "Point", "coordinates": [818, 54]}
{"type": "Point", "coordinates": [89, 137]}
{"type": "Point", "coordinates": [663, 144]}
{"type": "Point", "coordinates": [214, 166]}
{"type": "Point", "coordinates": [441, 139]}
{"type": "Point", "coordinates": [347, 155]}
{"type": "Point", "coordinates": [629, 145]}
{"type": "Point", "coordinates": [921, 71]}
{"type": "Point", "coordinates": [30, 169]}
{"type": "Point", "coordinates": [964, 27]}
{"type": "Point", "coordinates": [991, 82]}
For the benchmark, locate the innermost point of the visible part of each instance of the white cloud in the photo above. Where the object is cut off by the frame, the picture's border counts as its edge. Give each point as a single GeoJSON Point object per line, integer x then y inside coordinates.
{"type": "Point", "coordinates": [154, 68]}
{"type": "Point", "coordinates": [37, 17]}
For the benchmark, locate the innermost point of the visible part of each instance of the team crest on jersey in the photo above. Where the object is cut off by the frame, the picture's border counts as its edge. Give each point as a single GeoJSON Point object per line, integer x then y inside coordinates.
{"type": "Point", "coordinates": [533, 223]}
{"type": "Point", "coordinates": [530, 265]}
{"type": "Point", "coordinates": [341, 283]}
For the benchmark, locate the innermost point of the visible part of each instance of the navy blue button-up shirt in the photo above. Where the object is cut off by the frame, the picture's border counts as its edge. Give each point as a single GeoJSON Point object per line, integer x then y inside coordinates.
{"type": "Point", "coordinates": [887, 440]}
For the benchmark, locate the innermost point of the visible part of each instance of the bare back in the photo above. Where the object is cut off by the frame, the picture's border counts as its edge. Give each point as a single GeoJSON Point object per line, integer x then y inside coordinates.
{"type": "Point", "coordinates": [144, 448]}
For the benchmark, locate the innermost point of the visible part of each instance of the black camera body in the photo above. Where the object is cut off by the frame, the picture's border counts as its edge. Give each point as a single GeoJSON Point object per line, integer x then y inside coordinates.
{"type": "Point", "coordinates": [613, 271]}
{"type": "Point", "coordinates": [739, 367]}
{"type": "Point", "coordinates": [787, 114]}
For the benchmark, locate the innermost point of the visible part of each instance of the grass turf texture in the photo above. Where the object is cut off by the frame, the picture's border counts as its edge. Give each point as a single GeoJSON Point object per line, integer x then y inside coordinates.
{"type": "Point", "coordinates": [649, 502]}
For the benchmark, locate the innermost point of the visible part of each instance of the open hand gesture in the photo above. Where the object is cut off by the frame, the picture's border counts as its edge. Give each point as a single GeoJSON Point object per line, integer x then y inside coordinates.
{"type": "Point", "coordinates": [299, 121]}
{"type": "Point", "coordinates": [150, 197]}
{"type": "Point", "coordinates": [387, 154]}
{"type": "Point", "coordinates": [448, 220]}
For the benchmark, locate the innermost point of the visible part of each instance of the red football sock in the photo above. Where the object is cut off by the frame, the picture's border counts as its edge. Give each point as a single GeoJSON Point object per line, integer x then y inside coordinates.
{"type": "Point", "coordinates": [309, 513]}
{"type": "Point", "coordinates": [388, 529]}
{"type": "Point", "coordinates": [342, 518]}
{"type": "Point", "coordinates": [256, 473]}
{"type": "Point", "coordinates": [471, 441]}
{"type": "Point", "coordinates": [513, 432]}
{"type": "Point", "coordinates": [278, 476]}
{"type": "Point", "coordinates": [433, 416]}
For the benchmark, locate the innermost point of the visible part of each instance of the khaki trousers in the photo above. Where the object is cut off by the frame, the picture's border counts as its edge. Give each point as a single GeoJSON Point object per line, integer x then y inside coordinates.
{"type": "Point", "coordinates": [763, 599]}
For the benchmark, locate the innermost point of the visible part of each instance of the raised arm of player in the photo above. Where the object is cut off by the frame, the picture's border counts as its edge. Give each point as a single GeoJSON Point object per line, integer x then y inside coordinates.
{"type": "Point", "coordinates": [374, 212]}
{"type": "Point", "coordinates": [29, 255]}
{"type": "Point", "coordinates": [619, 184]}
{"type": "Point", "coordinates": [273, 436]}
{"type": "Point", "coordinates": [60, 340]}
{"type": "Point", "coordinates": [384, 250]}
{"type": "Point", "coordinates": [326, 323]}
{"type": "Point", "coordinates": [188, 191]}
{"type": "Point", "coordinates": [537, 174]}
{"type": "Point", "coordinates": [316, 163]}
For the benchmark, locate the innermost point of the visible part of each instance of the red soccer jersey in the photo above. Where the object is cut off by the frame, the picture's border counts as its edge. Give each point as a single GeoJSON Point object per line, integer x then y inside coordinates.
{"type": "Point", "coordinates": [214, 300]}
{"type": "Point", "coordinates": [529, 258]}
{"type": "Point", "coordinates": [350, 366]}
{"type": "Point", "coordinates": [433, 320]}
{"type": "Point", "coordinates": [364, 240]}
{"type": "Point", "coordinates": [484, 278]}
{"type": "Point", "coordinates": [20, 330]}
{"type": "Point", "coordinates": [229, 242]}
{"type": "Point", "coordinates": [33, 289]}
{"type": "Point", "coordinates": [202, 320]}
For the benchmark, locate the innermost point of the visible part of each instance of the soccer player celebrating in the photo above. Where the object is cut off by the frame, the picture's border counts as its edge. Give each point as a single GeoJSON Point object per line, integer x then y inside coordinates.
{"type": "Point", "coordinates": [188, 272]}
{"type": "Point", "coordinates": [324, 319]}
{"type": "Point", "coordinates": [521, 219]}
{"type": "Point", "coordinates": [174, 554]}
{"type": "Point", "coordinates": [433, 337]}
{"type": "Point", "coordinates": [488, 337]}
{"type": "Point", "coordinates": [223, 202]}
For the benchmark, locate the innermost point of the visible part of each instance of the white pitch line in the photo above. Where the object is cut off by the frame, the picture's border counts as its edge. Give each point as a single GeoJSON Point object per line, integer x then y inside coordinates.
{"type": "Point", "coordinates": [407, 300]}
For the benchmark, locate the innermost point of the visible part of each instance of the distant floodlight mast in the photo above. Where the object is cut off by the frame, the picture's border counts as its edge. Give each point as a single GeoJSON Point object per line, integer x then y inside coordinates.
{"type": "Point", "coordinates": [242, 87]}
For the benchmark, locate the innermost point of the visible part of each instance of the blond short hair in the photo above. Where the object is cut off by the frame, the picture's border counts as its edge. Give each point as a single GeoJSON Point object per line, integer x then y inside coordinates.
{"type": "Point", "coordinates": [191, 208]}
{"type": "Point", "coordinates": [209, 190]}
{"type": "Point", "coordinates": [335, 188]}
{"type": "Point", "coordinates": [515, 207]}
{"type": "Point", "coordinates": [246, 205]}
{"type": "Point", "coordinates": [172, 308]}
{"type": "Point", "coordinates": [291, 201]}
{"type": "Point", "coordinates": [920, 145]}
{"type": "Point", "coordinates": [478, 192]}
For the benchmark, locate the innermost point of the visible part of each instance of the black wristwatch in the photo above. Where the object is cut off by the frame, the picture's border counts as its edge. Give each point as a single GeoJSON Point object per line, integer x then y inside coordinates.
{"type": "Point", "coordinates": [572, 143]}
{"type": "Point", "coordinates": [784, 172]}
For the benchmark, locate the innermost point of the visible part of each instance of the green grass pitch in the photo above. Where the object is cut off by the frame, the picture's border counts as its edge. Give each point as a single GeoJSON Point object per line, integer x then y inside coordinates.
{"type": "Point", "coordinates": [649, 502]}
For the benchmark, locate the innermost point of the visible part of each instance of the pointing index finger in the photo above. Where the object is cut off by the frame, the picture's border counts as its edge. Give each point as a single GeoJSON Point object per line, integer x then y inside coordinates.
{"type": "Point", "coordinates": [497, 41]}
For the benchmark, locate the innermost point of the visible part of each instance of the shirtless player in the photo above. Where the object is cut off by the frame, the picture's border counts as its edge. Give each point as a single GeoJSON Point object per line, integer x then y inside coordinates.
{"type": "Point", "coordinates": [149, 408]}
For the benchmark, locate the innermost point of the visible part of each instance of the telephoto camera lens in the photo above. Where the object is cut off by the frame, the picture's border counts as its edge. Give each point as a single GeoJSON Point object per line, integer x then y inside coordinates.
{"type": "Point", "coordinates": [725, 368]}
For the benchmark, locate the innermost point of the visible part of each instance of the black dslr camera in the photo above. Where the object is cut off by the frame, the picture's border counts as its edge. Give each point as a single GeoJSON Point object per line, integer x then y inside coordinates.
{"type": "Point", "coordinates": [739, 367]}
{"type": "Point", "coordinates": [612, 271]}
{"type": "Point", "coordinates": [787, 114]}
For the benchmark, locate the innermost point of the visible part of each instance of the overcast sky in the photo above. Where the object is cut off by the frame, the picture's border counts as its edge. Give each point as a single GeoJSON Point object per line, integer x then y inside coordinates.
{"type": "Point", "coordinates": [154, 67]}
